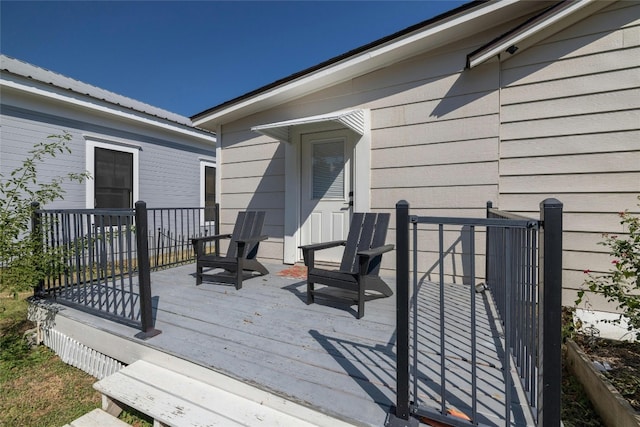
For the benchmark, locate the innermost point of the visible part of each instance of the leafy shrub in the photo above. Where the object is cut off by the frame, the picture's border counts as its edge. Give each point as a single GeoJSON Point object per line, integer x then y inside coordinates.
{"type": "Point", "coordinates": [21, 256]}
{"type": "Point", "coordinates": [621, 284]}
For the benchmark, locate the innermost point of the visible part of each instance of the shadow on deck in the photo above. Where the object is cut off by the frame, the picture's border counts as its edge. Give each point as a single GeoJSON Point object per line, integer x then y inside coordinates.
{"type": "Point", "coordinates": [318, 355]}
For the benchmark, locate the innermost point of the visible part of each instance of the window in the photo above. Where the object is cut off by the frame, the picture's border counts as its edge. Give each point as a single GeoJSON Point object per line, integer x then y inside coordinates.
{"type": "Point", "coordinates": [114, 175]}
{"type": "Point", "coordinates": [328, 170]}
{"type": "Point", "coordinates": [113, 179]}
{"type": "Point", "coordinates": [209, 193]}
{"type": "Point", "coordinates": [208, 189]}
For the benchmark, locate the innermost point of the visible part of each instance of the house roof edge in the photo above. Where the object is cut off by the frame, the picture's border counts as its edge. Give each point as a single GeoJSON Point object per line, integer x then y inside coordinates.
{"type": "Point", "coordinates": [25, 70]}
{"type": "Point", "coordinates": [335, 60]}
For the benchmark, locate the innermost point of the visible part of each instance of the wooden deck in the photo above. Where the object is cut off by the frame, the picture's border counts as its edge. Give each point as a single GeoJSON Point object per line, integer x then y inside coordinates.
{"type": "Point", "coordinates": [318, 355]}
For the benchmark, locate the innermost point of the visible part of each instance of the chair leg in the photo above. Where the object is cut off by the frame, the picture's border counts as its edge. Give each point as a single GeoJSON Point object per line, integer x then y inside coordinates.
{"type": "Point", "coordinates": [239, 271]}
{"type": "Point", "coordinates": [361, 288]}
{"type": "Point", "coordinates": [360, 306]}
{"type": "Point", "coordinates": [310, 293]}
{"type": "Point", "coordinates": [198, 274]}
{"type": "Point", "coordinates": [238, 279]}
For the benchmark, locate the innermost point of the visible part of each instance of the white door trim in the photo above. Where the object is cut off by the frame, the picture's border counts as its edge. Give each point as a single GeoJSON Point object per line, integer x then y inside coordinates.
{"type": "Point", "coordinates": [361, 181]}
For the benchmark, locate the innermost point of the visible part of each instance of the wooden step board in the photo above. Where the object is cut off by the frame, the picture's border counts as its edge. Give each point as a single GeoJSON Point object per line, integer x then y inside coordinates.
{"type": "Point", "coordinates": [97, 417]}
{"type": "Point", "coordinates": [173, 399]}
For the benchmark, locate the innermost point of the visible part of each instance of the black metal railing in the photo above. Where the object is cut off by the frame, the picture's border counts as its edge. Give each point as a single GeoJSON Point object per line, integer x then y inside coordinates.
{"type": "Point", "coordinates": [523, 270]}
{"type": "Point", "coordinates": [171, 231]}
{"type": "Point", "coordinates": [101, 259]}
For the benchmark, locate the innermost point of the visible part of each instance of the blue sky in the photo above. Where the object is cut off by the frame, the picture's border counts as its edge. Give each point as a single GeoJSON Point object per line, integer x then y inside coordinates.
{"type": "Point", "coordinates": [189, 56]}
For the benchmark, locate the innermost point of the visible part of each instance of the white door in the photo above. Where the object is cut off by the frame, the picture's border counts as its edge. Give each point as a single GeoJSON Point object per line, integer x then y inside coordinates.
{"type": "Point", "coordinates": [326, 190]}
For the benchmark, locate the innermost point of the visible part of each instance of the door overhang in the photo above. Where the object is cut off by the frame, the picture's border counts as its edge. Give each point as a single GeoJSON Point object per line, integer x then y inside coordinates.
{"type": "Point", "coordinates": [282, 131]}
{"type": "Point", "coordinates": [358, 123]}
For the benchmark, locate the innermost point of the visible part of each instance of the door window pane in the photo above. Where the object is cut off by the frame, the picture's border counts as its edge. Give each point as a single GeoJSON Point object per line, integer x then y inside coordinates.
{"type": "Point", "coordinates": [113, 179]}
{"type": "Point", "coordinates": [209, 193]}
{"type": "Point", "coordinates": [328, 170]}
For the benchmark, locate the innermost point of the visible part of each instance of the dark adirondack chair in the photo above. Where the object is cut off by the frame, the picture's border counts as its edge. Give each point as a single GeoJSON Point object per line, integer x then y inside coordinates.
{"type": "Point", "coordinates": [358, 272]}
{"type": "Point", "coordinates": [241, 255]}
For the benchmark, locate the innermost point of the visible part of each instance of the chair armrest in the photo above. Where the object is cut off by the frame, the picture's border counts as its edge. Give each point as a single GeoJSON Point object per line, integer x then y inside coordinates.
{"type": "Point", "coordinates": [375, 251]}
{"type": "Point", "coordinates": [365, 257]}
{"type": "Point", "coordinates": [325, 245]}
{"type": "Point", "coordinates": [203, 239]}
{"type": "Point", "coordinates": [198, 242]}
{"type": "Point", "coordinates": [308, 251]}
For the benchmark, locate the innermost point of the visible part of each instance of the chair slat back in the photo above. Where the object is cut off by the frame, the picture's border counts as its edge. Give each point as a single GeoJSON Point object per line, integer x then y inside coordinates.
{"type": "Point", "coordinates": [248, 225]}
{"type": "Point", "coordinates": [367, 230]}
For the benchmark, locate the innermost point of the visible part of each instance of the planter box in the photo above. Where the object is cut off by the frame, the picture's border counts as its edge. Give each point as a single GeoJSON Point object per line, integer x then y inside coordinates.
{"type": "Point", "coordinates": [614, 409]}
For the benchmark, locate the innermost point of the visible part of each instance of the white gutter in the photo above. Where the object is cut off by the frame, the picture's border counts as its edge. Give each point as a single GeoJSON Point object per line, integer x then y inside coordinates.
{"type": "Point", "coordinates": [103, 109]}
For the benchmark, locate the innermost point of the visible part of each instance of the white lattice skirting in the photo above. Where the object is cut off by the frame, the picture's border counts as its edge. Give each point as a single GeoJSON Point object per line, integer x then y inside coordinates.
{"type": "Point", "coordinates": [82, 357]}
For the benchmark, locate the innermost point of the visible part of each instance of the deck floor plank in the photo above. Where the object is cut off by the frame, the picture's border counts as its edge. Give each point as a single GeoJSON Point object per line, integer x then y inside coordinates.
{"type": "Point", "coordinates": [320, 354]}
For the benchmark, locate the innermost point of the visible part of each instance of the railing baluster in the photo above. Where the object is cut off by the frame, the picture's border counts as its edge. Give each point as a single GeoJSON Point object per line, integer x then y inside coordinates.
{"type": "Point", "coordinates": [474, 356]}
{"type": "Point", "coordinates": [507, 336]}
{"type": "Point", "coordinates": [443, 379]}
{"type": "Point", "coordinates": [414, 373]}
{"type": "Point", "coordinates": [122, 266]}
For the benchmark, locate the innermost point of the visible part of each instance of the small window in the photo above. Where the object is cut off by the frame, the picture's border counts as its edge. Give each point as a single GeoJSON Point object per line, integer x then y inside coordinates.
{"type": "Point", "coordinates": [113, 179]}
{"type": "Point", "coordinates": [328, 170]}
{"type": "Point", "coordinates": [209, 193]}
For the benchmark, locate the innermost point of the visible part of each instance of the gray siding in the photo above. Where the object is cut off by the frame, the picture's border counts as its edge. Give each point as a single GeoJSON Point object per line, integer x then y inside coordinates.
{"type": "Point", "coordinates": [431, 125]}
{"type": "Point", "coordinates": [20, 134]}
{"type": "Point", "coordinates": [570, 129]}
{"type": "Point", "coordinates": [253, 179]}
{"type": "Point", "coordinates": [169, 166]}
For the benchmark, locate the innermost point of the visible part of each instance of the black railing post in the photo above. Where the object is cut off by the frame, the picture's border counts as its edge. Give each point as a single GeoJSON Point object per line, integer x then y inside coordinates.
{"type": "Point", "coordinates": [550, 314]}
{"type": "Point", "coordinates": [487, 246]}
{"type": "Point", "coordinates": [402, 416]}
{"type": "Point", "coordinates": [216, 228]}
{"type": "Point", "coordinates": [38, 246]}
{"type": "Point", "coordinates": [144, 273]}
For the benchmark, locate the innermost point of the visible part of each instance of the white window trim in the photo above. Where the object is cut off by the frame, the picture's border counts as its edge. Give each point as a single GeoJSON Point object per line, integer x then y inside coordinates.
{"type": "Point", "coordinates": [90, 167]}
{"type": "Point", "coordinates": [204, 164]}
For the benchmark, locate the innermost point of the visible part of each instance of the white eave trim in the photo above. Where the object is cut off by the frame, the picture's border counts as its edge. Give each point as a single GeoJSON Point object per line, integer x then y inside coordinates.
{"type": "Point", "coordinates": [342, 70]}
{"type": "Point", "coordinates": [544, 21]}
{"type": "Point", "coordinates": [352, 119]}
{"type": "Point", "coordinates": [105, 110]}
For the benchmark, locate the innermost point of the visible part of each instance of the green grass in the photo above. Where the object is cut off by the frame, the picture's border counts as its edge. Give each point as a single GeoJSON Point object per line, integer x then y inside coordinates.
{"type": "Point", "coordinates": [36, 387]}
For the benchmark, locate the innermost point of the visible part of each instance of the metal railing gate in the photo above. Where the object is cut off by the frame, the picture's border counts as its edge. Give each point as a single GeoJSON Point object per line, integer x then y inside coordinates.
{"type": "Point", "coordinates": [445, 371]}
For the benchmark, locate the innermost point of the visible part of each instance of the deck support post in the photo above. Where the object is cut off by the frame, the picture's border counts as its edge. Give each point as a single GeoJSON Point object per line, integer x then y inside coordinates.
{"type": "Point", "coordinates": [550, 318]}
{"type": "Point", "coordinates": [401, 417]}
{"type": "Point", "coordinates": [144, 273]}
